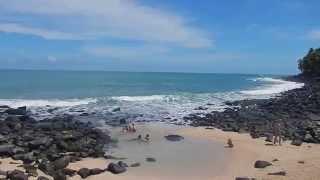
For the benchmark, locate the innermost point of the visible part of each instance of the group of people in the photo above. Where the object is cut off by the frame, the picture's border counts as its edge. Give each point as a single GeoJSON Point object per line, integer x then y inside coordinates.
{"type": "Point", "coordinates": [129, 128]}
{"type": "Point", "coordinates": [146, 138]}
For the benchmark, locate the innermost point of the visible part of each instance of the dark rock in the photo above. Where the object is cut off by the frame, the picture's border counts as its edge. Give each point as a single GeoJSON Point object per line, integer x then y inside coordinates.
{"type": "Point", "coordinates": [46, 167]}
{"type": "Point", "coordinates": [135, 165]}
{"type": "Point", "coordinates": [201, 108]}
{"type": "Point", "coordinates": [18, 111]}
{"type": "Point", "coordinates": [244, 178]}
{"type": "Point", "coordinates": [44, 141]}
{"type": "Point", "coordinates": [61, 163]}
{"type": "Point", "coordinates": [59, 175]}
{"type": "Point", "coordinates": [42, 178]}
{"type": "Point", "coordinates": [122, 164]}
{"type": "Point", "coordinates": [113, 157]}
{"type": "Point", "coordinates": [84, 172]}
{"type": "Point", "coordinates": [4, 107]}
{"type": "Point", "coordinates": [116, 169]}
{"type": "Point", "coordinates": [116, 109]}
{"type": "Point", "coordinates": [174, 137]}
{"type": "Point", "coordinates": [280, 173]}
{"type": "Point", "coordinates": [261, 164]}
{"type": "Point", "coordinates": [301, 162]}
{"type": "Point", "coordinates": [26, 158]}
{"type": "Point", "coordinates": [150, 159]}
{"type": "Point", "coordinates": [69, 172]}
{"type": "Point", "coordinates": [17, 175]}
{"type": "Point", "coordinates": [6, 149]}
{"type": "Point", "coordinates": [96, 171]}
{"type": "Point", "coordinates": [297, 142]}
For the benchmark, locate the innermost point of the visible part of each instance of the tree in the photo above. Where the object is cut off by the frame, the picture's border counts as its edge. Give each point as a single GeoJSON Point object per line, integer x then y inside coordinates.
{"type": "Point", "coordinates": [310, 64]}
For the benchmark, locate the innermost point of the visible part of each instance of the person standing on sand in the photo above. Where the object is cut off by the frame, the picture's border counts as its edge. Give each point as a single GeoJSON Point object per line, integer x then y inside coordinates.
{"type": "Point", "coordinates": [277, 132]}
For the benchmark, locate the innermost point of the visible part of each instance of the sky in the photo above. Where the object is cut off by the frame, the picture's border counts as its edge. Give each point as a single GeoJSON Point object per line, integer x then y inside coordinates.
{"type": "Point", "coordinates": [206, 36]}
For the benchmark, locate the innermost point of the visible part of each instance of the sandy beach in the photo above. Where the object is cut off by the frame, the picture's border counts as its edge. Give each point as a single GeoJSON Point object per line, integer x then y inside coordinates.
{"type": "Point", "coordinates": [202, 155]}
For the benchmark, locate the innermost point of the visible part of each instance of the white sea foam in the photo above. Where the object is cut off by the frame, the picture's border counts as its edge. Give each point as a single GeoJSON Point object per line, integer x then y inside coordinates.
{"type": "Point", "coordinates": [273, 86]}
{"type": "Point", "coordinates": [42, 102]}
{"type": "Point", "coordinates": [139, 98]}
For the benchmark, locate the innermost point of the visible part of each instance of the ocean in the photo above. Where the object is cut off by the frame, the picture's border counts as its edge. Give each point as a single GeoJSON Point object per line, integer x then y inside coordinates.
{"type": "Point", "coordinates": [136, 96]}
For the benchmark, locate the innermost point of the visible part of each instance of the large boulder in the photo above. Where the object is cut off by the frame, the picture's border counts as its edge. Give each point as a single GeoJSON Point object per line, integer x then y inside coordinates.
{"type": "Point", "coordinates": [84, 172]}
{"type": "Point", "coordinates": [116, 168]}
{"type": "Point", "coordinates": [262, 164]}
{"type": "Point", "coordinates": [17, 175]}
{"type": "Point", "coordinates": [297, 142]}
{"type": "Point", "coordinates": [61, 163]}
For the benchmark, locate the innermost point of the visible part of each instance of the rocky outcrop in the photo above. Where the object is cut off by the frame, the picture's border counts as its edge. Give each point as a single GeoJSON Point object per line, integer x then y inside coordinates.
{"type": "Point", "coordinates": [45, 143]}
{"type": "Point", "coordinates": [298, 110]}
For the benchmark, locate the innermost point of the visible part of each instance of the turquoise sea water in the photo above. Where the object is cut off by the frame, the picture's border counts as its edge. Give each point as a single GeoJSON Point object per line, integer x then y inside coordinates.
{"type": "Point", "coordinates": [139, 95]}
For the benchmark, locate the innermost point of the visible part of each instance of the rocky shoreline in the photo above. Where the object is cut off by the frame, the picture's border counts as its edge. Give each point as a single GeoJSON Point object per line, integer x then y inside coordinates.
{"type": "Point", "coordinates": [50, 145]}
{"type": "Point", "coordinates": [298, 109]}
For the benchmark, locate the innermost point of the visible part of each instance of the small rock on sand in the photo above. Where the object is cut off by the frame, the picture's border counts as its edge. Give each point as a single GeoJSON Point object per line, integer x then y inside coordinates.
{"type": "Point", "coordinates": [135, 165]}
{"type": "Point", "coordinates": [150, 159]}
{"type": "Point", "coordinates": [174, 137]}
{"type": "Point", "coordinates": [280, 173]}
{"type": "Point", "coordinates": [261, 164]}
{"type": "Point", "coordinates": [244, 178]}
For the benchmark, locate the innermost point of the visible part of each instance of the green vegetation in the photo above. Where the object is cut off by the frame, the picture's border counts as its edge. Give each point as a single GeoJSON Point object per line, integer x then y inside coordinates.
{"type": "Point", "coordinates": [310, 64]}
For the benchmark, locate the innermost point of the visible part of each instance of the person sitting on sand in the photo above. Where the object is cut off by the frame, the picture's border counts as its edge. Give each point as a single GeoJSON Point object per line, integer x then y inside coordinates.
{"type": "Point", "coordinates": [147, 138]}
{"type": "Point", "coordinates": [277, 132]}
{"type": "Point", "coordinates": [230, 144]}
{"type": "Point", "coordinates": [139, 137]}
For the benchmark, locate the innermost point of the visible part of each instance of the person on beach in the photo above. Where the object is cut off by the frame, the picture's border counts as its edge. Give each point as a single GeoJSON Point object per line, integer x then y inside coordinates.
{"type": "Point", "coordinates": [133, 128]}
{"type": "Point", "coordinates": [125, 129]}
{"type": "Point", "coordinates": [277, 132]}
{"type": "Point", "coordinates": [230, 144]}
{"type": "Point", "coordinates": [139, 137]}
{"type": "Point", "coordinates": [147, 138]}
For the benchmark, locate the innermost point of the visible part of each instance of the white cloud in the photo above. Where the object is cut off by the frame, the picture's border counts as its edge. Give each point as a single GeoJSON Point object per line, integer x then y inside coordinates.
{"type": "Point", "coordinates": [46, 34]}
{"type": "Point", "coordinates": [314, 34]}
{"type": "Point", "coordinates": [122, 19]}
{"type": "Point", "coordinates": [52, 59]}
{"type": "Point", "coordinates": [126, 52]}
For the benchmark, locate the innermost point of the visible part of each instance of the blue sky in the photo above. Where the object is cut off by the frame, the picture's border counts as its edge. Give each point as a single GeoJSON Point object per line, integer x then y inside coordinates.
{"type": "Point", "coordinates": [231, 36]}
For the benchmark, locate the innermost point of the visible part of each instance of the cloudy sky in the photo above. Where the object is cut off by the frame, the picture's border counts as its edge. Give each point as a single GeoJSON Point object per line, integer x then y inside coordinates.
{"type": "Point", "coordinates": [233, 36]}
